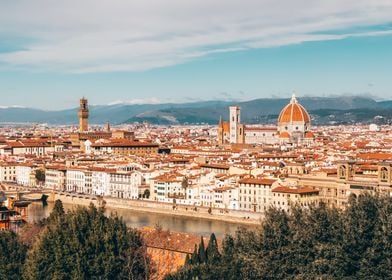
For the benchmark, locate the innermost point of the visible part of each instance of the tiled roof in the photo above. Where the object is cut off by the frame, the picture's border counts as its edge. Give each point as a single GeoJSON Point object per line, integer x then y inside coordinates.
{"type": "Point", "coordinates": [304, 190]}
{"type": "Point", "coordinates": [257, 181]}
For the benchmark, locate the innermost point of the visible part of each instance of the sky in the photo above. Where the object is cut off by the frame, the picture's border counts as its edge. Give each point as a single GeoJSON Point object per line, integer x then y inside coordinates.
{"type": "Point", "coordinates": [120, 51]}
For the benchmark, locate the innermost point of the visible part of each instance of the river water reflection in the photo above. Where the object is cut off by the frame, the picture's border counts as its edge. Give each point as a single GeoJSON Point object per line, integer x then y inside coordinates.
{"type": "Point", "coordinates": [140, 219]}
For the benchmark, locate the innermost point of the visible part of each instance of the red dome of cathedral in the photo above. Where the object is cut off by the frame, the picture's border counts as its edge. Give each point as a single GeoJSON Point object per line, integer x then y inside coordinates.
{"type": "Point", "coordinates": [294, 112]}
{"type": "Point", "coordinates": [284, 134]}
{"type": "Point", "coordinates": [309, 135]}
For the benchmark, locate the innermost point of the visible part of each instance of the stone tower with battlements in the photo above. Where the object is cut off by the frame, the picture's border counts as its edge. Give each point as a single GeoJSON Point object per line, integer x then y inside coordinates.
{"type": "Point", "coordinates": [83, 115]}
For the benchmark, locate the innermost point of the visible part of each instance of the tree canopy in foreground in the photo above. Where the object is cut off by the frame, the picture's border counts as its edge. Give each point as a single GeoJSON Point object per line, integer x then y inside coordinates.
{"type": "Point", "coordinates": [316, 243]}
{"type": "Point", "coordinates": [84, 244]}
{"type": "Point", "coordinates": [12, 255]}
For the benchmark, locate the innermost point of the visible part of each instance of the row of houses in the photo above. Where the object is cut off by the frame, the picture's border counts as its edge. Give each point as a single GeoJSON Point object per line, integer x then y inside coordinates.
{"type": "Point", "coordinates": [203, 185]}
{"type": "Point", "coordinates": [96, 181]}
{"type": "Point", "coordinates": [232, 192]}
{"type": "Point", "coordinates": [23, 174]}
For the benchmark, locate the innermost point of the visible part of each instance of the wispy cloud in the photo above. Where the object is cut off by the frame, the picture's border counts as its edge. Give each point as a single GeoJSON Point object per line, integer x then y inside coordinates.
{"type": "Point", "coordinates": [120, 35]}
{"type": "Point", "coordinates": [12, 107]}
{"type": "Point", "coordinates": [137, 101]}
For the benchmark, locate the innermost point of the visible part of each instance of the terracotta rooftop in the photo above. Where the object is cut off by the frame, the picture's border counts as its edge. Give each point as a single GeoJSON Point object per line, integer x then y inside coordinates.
{"type": "Point", "coordinates": [257, 181]}
{"type": "Point", "coordinates": [304, 190]}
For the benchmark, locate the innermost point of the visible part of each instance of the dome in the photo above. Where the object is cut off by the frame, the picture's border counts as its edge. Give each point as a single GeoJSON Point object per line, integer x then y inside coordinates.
{"type": "Point", "coordinates": [284, 134]}
{"type": "Point", "coordinates": [294, 112]}
{"type": "Point", "coordinates": [309, 135]}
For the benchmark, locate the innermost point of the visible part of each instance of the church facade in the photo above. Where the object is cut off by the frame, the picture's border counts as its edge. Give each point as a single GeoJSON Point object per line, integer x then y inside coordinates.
{"type": "Point", "coordinates": [293, 127]}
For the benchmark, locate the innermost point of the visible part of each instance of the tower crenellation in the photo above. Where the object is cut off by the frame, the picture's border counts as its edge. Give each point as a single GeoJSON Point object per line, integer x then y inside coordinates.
{"type": "Point", "coordinates": [83, 115]}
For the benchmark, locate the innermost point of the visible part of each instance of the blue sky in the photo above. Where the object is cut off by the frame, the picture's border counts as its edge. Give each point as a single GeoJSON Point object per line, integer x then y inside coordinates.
{"type": "Point", "coordinates": [142, 53]}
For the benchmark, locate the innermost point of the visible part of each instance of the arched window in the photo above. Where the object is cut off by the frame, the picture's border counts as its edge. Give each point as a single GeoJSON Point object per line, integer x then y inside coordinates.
{"type": "Point", "coordinates": [384, 174]}
{"type": "Point", "coordinates": [342, 172]}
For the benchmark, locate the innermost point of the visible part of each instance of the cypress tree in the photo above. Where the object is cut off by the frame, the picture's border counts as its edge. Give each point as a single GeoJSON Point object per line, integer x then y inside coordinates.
{"type": "Point", "coordinates": [202, 251]}
{"type": "Point", "coordinates": [188, 260]}
{"type": "Point", "coordinates": [212, 252]}
{"type": "Point", "coordinates": [57, 214]}
{"type": "Point", "coordinates": [195, 256]}
{"type": "Point", "coordinates": [315, 243]}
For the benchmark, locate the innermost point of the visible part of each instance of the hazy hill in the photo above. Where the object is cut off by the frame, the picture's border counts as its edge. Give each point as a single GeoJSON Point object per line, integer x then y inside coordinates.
{"type": "Point", "coordinates": [266, 110]}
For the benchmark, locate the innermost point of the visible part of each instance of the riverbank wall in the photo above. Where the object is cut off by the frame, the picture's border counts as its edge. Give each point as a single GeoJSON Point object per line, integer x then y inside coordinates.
{"type": "Point", "coordinates": [231, 216]}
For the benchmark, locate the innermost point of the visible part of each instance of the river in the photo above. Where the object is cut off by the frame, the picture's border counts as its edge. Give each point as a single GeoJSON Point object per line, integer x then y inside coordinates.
{"type": "Point", "coordinates": [138, 219]}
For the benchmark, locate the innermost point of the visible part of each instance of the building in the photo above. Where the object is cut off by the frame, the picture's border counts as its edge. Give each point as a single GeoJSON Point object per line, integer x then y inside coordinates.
{"type": "Point", "coordinates": [236, 128]}
{"type": "Point", "coordinates": [100, 182]}
{"type": "Point", "coordinates": [126, 184]}
{"type": "Point", "coordinates": [4, 217]}
{"type": "Point", "coordinates": [37, 147]}
{"type": "Point", "coordinates": [293, 126]}
{"type": "Point", "coordinates": [25, 175]}
{"type": "Point", "coordinates": [335, 187]}
{"type": "Point", "coordinates": [168, 188]}
{"type": "Point", "coordinates": [294, 123]}
{"type": "Point", "coordinates": [123, 147]}
{"type": "Point", "coordinates": [8, 172]}
{"type": "Point", "coordinates": [83, 115]}
{"type": "Point", "coordinates": [285, 197]}
{"type": "Point", "coordinates": [223, 132]}
{"type": "Point", "coordinates": [79, 180]}
{"type": "Point", "coordinates": [255, 194]}
{"type": "Point", "coordinates": [78, 139]}
{"type": "Point", "coordinates": [85, 137]}
{"type": "Point", "coordinates": [55, 177]}
{"type": "Point", "coordinates": [225, 198]}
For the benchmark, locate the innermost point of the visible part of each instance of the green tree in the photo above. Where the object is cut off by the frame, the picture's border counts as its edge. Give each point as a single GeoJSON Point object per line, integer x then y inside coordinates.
{"type": "Point", "coordinates": [307, 243]}
{"type": "Point", "coordinates": [84, 244]}
{"type": "Point", "coordinates": [360, 223]}
{"type": "Point", "coordinates": [185, 185]}
{"type": "Point", "coordinates": [188, 260]}
{"type": "Point", "coordinates": [377, 260]}
{"type": "Point", "coordinates": [212, 252]}
{"type": "Point", "coordinates": [146, 193]}
{"type": "Point", "coordinates": [12, 256]}
{"type": "Point", "coordinates": [325, 230]}
{"type": "Point", "coordinates": [57, 214]}
{"type": "Point", "coordinates": [202, 251]}
{"type": "Point", "coordinates": [195, 256]}
{"type": "Point", "coordinates": [40, 175]}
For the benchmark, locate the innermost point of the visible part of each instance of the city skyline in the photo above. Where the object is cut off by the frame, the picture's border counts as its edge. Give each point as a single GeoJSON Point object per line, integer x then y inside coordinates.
{"type": "Point", "coordinates": [138, 53]}
{"type": "Point", "coordinates": [177, 139]}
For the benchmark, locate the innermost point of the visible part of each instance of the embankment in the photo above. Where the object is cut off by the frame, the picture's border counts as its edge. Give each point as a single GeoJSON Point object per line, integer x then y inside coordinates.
{"type": "Point", "coordinates": [232, 216]}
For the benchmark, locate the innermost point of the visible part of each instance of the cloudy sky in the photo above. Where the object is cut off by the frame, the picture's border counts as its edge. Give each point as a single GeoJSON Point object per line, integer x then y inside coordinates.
{"type": "Point", "coordinates": [53, 52]}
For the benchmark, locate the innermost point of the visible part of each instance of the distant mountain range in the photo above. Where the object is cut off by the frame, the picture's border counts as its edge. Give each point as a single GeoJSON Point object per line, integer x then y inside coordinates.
{"type": "Point", "coordinates": [324, 110]}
